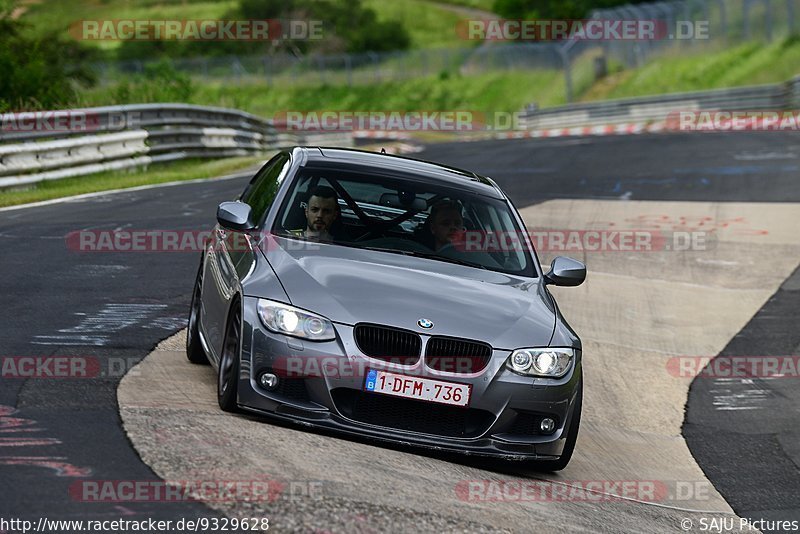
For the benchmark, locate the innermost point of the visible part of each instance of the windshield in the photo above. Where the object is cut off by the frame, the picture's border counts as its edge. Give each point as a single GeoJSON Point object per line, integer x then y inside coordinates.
{"type": "Point", "coordinates": [402, 215]}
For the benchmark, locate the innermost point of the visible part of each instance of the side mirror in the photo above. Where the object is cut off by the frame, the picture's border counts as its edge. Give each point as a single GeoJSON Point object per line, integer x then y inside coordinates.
{"type": "Point", "coordinates": [235, 216]}
{"type": "Point", "coordinates": [565, 272]}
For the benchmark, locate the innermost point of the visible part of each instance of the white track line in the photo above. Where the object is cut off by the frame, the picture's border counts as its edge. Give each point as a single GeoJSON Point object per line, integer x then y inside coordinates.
{"type": "Point", "coordinates": [240, 174]}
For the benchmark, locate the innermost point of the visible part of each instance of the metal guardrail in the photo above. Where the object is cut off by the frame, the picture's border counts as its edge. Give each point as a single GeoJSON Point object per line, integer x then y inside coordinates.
{"type": "Point", "coordinates": [51, 145]}
{"type": "Point", "coordinates": [658, 107]}
{"type": "Point", "coordinates": [118, 137]}
{"type": "Point", "coordinates": [138, 116]}
{"type": "Point", "coordinates": [793, 87]}
{"type": "Point", "coordinates": [28, 157]}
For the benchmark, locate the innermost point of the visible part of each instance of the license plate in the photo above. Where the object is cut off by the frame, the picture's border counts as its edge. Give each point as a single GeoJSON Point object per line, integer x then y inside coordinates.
{"type": "Point", "coordinates": [413, 387]}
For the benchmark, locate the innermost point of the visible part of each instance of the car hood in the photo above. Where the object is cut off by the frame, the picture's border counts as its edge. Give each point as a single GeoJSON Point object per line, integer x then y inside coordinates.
{"type": "Point", "coordinates": [350, 285]}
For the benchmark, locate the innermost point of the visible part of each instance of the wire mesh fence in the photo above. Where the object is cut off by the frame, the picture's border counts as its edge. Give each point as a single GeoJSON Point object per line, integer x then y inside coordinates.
{"type": "Point", "coordinates": [693, 26]}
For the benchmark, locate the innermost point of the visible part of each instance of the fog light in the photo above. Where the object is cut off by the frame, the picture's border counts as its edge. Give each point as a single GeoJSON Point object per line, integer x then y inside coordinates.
{"type": "Point", "coordinates": [547, 425]}
{"type": "Point", "coordinates": [268, 381]}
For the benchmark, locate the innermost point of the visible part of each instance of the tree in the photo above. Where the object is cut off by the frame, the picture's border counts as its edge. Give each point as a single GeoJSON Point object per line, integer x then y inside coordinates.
{"type": "Point", "coordinates": [347, 24]}
{"type": "Point", "coordinates": [42, 72]}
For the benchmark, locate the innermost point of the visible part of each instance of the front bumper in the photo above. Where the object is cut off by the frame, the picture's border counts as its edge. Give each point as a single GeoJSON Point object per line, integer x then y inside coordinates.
{"type": "Point", "coordinates": [322, 386]}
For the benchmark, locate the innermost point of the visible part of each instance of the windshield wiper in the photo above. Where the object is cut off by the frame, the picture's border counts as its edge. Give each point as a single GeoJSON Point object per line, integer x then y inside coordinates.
{"type": "Point", "coordinates": [435, 256]}
{"type": "Point", "coordinates": [428, 255]}
{"type": "Point", "coordinates": [387, 249]}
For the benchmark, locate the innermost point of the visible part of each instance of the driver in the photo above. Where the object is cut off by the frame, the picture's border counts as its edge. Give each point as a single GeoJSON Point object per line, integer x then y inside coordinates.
{"type": "Point", "coordinates": [446, 223]}
{"type": "Point", "coordinates": [321, 210]}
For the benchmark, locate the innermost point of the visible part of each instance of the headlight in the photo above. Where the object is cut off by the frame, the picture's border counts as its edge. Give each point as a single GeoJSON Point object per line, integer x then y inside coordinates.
{"type": "Point", "coordinates": [549, 362]}
{"type": "Point", "coordinates": [284, 319]}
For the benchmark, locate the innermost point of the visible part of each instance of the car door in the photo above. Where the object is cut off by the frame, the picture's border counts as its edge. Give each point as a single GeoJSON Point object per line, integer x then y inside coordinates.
{"type": "Point", "coordinates": [230, 255]}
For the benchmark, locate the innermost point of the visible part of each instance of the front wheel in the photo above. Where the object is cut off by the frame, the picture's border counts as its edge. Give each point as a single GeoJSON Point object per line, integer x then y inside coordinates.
{"type": "Point", "coordinates": [228, 373]}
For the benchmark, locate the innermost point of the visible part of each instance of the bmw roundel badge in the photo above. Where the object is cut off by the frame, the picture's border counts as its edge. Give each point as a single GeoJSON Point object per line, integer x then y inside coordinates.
{"type": "Point", "coordinates": [425, 323]}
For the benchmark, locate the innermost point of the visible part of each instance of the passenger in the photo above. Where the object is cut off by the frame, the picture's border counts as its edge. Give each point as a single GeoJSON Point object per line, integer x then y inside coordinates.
{"type": "Point", "coordinates": [321, 210]}
{"type": "Point", "coordinates": [446, 223]}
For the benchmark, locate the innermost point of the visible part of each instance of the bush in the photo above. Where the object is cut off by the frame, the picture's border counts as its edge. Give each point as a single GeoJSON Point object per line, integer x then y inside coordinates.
{"type": "Point", "coordinates": [554, 9]}
{"type": "Point", "coordinates": [347, 24]}
{"type": "Point", "coordinates": [39, 72]}
{"type": "Point", "coordinates": [159, 82]}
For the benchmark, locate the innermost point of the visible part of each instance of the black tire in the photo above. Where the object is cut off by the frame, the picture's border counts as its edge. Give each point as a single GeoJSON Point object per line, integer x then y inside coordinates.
{"type": "Point", "coordinates": [194, 349]}
{"type": "Point", "coordinates": [572, 437]}
{"type": "Point", "coordinates": [228, 372]}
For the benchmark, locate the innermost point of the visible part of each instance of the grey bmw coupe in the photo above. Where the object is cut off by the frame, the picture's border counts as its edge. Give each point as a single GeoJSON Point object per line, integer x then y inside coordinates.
{"type": "Point", "coordinates": [391, 298]}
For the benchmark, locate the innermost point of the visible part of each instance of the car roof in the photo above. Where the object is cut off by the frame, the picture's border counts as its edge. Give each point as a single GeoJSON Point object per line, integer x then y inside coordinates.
{"type": "Point", "coordinates": [426, 170]}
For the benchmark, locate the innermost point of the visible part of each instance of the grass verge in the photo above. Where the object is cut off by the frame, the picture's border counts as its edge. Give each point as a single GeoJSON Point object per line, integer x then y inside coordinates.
{"type": "Point", "coordinates": [686, 69]}
{"type": "Point", "coordinates": [498, 91]}
{"type": "Point", "coordinates": [58, 16]}
{"type": "Point", "coordinates": [155, 174]}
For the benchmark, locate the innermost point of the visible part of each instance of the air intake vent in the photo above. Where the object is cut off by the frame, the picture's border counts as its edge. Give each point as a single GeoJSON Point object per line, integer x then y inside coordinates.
{"type": "Point", "coordinates": [411, 415]}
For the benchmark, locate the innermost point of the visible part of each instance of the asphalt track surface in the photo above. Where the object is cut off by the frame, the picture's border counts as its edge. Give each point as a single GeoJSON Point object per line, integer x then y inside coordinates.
{"type": "Point", "coordinates": [743, 433]}
{"type": "Point", "coordinates": [117, 306]}
{"type": "Point", "coordinates": [752, 456]}
{"type": "Point", "coordinates": [112, 307]}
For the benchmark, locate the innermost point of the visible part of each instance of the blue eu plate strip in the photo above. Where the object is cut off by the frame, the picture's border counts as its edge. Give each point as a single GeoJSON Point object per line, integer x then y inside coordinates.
{"type": "Point", "coordinates": [372, 376]}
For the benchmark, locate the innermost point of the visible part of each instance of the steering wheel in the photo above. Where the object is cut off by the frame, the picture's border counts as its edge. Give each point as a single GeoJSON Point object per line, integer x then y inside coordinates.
{"type": "Point", "coordinates": [377, 231]}
{"type": "Point", "coordinates": [449, 247]}
{"type": "Point", "coordinates": [363, 237]}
